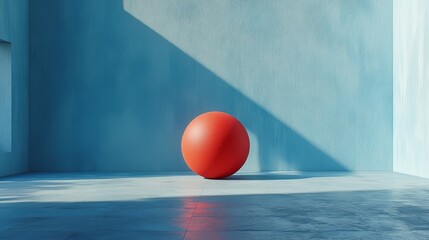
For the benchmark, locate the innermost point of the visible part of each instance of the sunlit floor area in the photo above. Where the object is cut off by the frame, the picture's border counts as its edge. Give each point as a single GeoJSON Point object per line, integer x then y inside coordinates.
{"type": "Point", "coordinates": [280, 205]}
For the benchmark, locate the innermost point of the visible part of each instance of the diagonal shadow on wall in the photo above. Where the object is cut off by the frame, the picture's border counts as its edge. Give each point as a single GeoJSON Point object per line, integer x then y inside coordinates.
{"type": "Point", "coordinates": [112, 94]}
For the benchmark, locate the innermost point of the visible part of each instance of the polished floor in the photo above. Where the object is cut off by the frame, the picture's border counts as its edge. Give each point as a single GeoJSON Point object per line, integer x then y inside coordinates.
{"type": "Point", "coordinates": [283, 205]}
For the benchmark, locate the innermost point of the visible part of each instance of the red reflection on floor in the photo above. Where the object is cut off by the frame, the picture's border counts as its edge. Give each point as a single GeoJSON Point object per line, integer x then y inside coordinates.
{"type": "Point", "coordinates": [208, 221]}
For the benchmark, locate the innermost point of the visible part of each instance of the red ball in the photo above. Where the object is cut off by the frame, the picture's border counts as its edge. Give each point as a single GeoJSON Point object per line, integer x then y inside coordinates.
{"type": "Point", "coordinates": [215, 145]}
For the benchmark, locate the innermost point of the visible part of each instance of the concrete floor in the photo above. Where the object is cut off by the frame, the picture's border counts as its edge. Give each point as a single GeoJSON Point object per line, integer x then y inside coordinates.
{"type": "Point", "coordinates": [248, 206]}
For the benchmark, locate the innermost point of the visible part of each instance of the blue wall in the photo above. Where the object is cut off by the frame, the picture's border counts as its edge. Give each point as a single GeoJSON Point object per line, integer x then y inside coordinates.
{"type": "Point", "coordinates": [411, 87]}
{"type": "Point", "coordinates": [5, 96]}
{"type": "Point", "coordinates": [14, 30]}
{"type": "Point", "coordinates": [114, 83]}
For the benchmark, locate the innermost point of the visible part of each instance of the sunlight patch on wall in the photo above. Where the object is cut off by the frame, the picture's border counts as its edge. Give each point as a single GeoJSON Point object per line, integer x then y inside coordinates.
{"type": "Point", "coordinates": [411, 87]}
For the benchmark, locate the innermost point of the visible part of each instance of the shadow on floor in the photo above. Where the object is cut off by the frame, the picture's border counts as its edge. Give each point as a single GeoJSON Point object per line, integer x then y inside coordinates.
{"type": "Point", "coordinates": [283, 175]}
{"type": "Point", "coordinates": [118, 175]}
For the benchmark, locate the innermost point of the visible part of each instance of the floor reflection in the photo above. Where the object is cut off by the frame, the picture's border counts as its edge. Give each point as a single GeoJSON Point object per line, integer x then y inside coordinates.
{"type": "Point", "coordinates": [221, 209]}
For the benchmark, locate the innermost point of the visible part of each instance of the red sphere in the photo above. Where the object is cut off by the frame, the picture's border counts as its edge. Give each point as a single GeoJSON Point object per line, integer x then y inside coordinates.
{"type": "Point", "coordinates": [215, 145]}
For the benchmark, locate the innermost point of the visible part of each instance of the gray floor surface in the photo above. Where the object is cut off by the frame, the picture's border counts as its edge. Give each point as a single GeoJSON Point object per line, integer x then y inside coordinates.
{"type": "Point", "coordinates": [281, 205]}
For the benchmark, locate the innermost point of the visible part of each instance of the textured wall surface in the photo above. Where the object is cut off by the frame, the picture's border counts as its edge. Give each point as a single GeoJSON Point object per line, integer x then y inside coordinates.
{"type": "Point", "coordinates": [114, 83]}
{"type": "Point", "coordinates": [411, 87]}
{"type": "Point", "coordinates": [14, 29]}
{"type": "Point", "coordinates": [5, 97]}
